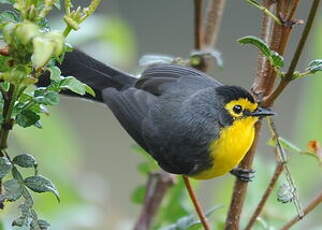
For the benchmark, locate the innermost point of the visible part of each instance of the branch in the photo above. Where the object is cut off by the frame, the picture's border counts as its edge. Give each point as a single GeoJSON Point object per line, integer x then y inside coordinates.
{"type": "Point", "coordinates": [278, 171]}
{"type": "Point", "coordinates": [157, 186]}
{"type": "Point", "coordinates": [312, 205]}
{"type": "Point", "coordinates": [263, 85]}
{"type": "Point", "coordinates": [299, 49]}
{"type": "Point", "coordinates": [198, 24]}
{"type": "Point", "coordinates": [196, 203]}
{"type": "Point", "coordinates": [215, 12]}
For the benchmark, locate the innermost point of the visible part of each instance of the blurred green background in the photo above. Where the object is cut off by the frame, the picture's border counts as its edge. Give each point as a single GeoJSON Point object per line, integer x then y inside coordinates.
{"type": "Point", "coordinates": [90, 158]}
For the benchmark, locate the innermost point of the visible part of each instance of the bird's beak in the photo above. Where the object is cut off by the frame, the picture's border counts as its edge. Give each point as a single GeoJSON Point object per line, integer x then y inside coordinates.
{"type": "Point", "coordinates": [262, 112]}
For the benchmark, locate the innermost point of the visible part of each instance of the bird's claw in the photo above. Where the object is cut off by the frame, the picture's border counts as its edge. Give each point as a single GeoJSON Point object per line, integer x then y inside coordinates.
{"type": "Point", "coordinates": [245, 175]}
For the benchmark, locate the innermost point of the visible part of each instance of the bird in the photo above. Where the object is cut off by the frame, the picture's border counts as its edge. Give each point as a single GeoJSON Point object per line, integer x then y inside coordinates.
{"type": "Point", "coordinates": [190, 123]}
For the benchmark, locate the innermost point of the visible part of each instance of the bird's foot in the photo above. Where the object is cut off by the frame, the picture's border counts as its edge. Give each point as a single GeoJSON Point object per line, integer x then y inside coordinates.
{"type": "Point", "coordinates": [245, 175]}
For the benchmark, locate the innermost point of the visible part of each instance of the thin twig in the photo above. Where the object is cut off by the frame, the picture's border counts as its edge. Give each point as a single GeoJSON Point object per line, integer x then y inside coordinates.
{"type": "Point", "coordinates": [198, 4]}
{"type": "Point", "coordinates": [283, 159]}
{"type": "Point", "coordinates": [299, 49]}
{"type": "Point", "coordinates": [157, 186]}
{"type": "Point", "coordinates": [312, 205]}
{"type": "Point", "coordinates": [196, 203]}
{"type": "Point", "coordinates": [277, 172]}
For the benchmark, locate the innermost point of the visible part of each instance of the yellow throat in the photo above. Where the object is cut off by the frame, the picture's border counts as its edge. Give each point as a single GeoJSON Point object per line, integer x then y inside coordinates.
{"type": "Point", "coordinates": [230, 148]}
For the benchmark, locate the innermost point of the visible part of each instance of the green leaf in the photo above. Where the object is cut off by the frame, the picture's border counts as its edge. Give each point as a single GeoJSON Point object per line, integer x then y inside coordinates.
{"type": "Point", "coordinates": [138, 194]}
{"type": "Point", "coordinates": [27, 118]}
{"type": "Point", "coordinates": [51, 98]}
{"type": "Point", "coordinates": [89, 90]}
{"type": "Point", "coordinates": [277, 60]}
{"type": "Point", "coordinates": [315, 66]}
{"type": "Point", "coordinates": [285, 144]}
{"type": "Point", "coordinates": [74, 85]}
{"type": "Point", "coordinates": [43, 224]}
{"type": "Point", "coordinates": [57, 4]}
{"type": "Point", "coordinates": [5, 166]}
{"type": "Point", "coordinates": [9, 16]}
{"type": "Point", "coordinates": [13, 190]}
{"type": "Point", "coordinates": [41, 184]}
{"type": "Point", "coordinates": [259, 43]}
{"type": "Point", "coordinates": [55, 73]}
{"type": "Point", "coordinates": [25, 161]}
{"type": "Point", "coordinates": [20, 221]}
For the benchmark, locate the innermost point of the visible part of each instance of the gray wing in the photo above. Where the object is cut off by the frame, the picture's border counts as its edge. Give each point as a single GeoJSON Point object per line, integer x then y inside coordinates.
{"type": "Point", "coordinates": [154, 113]}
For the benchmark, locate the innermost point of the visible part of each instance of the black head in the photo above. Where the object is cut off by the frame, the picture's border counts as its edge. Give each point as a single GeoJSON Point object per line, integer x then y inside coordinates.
{"type": "Point", "coordinates": [237, 103]}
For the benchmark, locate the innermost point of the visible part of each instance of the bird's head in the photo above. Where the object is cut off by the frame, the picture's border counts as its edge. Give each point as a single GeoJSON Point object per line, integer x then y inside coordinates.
{"type": "Point", "coordinates": [238, 104]}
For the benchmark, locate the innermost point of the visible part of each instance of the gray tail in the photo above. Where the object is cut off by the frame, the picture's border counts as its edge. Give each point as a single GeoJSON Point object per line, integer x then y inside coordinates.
{"type": "Point", "coordinates": [91, 72]}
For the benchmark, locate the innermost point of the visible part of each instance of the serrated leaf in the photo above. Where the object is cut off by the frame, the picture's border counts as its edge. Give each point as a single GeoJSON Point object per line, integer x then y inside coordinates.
{"type": "Point", "coordinates": [55, 73]}
{"type": "Point", "coordinates": [5, 166]}
{"type": "Point", "coordinates": [25, 160]}
{"type": "Point", "coordinates": [27, 118]}
{"type": "Point", "coordinates": [315, 66]}
{"type": "Point", "coordinates": [41, 184]}
{"type": "Point", "coordinates": [20, 221]}
{"type": "Point", "coordinates": [277, 60]}
{"type": "Point", "coordinates": [74, 85]}
{"type": "Point", "coordinates": [13, 190]}
{"type": "Point", "coordinates": [259, 43]}
{"type": "Point", "coordinates": [138, 194]}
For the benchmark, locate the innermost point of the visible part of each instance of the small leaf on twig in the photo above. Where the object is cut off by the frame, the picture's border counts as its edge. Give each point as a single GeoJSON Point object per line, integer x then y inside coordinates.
{"type": "Point", "coordinates": [259, 43]}
{"type": "Point", "coordinates": [138, 194]}
{"type": "Point", "coordinates": [274, 58]}
{"type": "Point", "coordinates": [27, 118]}
{"type": "Point", "coordinates": [41, 184]}
{"type": "Point", "coordinates": [13, 190]}
{"type": "Point", "coordinates": [25, 160]}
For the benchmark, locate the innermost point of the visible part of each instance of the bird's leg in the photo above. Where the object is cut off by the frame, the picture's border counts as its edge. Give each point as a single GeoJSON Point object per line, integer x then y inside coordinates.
{"type": "Point", "coordinates": [245, 175]}
{"type": "Point", "coordinates": [196, 203]}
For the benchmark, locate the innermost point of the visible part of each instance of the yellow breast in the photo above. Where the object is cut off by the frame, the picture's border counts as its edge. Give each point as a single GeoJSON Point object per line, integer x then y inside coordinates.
{"type": "Point", "coordinates": [230, 148]}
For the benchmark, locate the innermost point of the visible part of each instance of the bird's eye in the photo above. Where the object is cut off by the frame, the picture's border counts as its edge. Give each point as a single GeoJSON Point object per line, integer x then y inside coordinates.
{"type": "Point", "coordinates": [237, 109]}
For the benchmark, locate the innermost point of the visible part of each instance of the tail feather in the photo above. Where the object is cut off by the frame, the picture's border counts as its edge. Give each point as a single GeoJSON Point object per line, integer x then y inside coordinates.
{"type": "Point", "coordinates": [91, 72]}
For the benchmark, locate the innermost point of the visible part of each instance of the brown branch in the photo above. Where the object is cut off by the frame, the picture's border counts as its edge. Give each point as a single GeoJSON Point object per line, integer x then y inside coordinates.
{"type": "Point", "coordinates": [278, 171]}
{"type": "Point", "coordinates": [263, 85]}
{"type": "Point", "coordinates": [198, 4]}
{"type": "Point", "coordinates": [196, 203]}
{"type": "Point", "coordinates": [312, 205]}
{"type": "Point", "coordinates": [299, 49]}
{"type": "Point", "coordinates": [215, 12]}
{"type": "Point", "coordinates": [157, 186]}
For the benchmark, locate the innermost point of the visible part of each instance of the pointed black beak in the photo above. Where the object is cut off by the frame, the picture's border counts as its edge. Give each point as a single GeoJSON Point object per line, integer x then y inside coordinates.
{"type": "Point", "coordinates": [262, 112]}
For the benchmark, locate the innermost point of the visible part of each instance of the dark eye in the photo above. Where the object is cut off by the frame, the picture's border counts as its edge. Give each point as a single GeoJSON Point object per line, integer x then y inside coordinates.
{"type": "Point", "coordinates": [237, 109]}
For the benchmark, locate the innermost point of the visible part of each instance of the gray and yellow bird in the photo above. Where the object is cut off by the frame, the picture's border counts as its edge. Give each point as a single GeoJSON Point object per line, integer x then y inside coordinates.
{"type": "Point", "coordinates": [188, 122]}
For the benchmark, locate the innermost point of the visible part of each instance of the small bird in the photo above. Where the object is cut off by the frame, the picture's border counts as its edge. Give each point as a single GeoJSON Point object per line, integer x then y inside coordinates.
{"type": "Point", "coordinates": [188, 122]}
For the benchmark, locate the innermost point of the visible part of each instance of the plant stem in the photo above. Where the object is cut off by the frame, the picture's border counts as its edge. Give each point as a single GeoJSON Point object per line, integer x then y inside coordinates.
{"type": "Point", "coordinates": [312, 205]}
{"type": "Point", "coordinates": [196, 203]}
{"type": "Point", "coordinates": [299, 49]}
{"type": "Point", "coordinates": [157, 186]}
{"type": "Point", "coordinates": [263, 85]}
{"type": "Point", "coordinates": [198, 4]}
{"type": "Point", "coordinates": [67, 30]}
{"type": "Point", "coordinates": [9, 101]}
{"type": "Point", "coordinates": [215, 10]}
{"type": "Point", "coordinates": [277, 172]}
